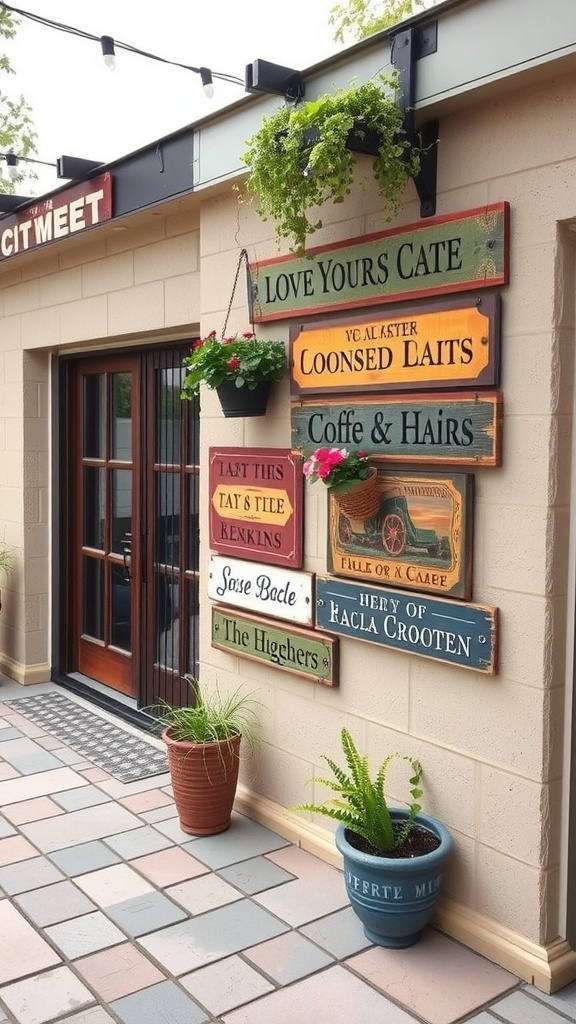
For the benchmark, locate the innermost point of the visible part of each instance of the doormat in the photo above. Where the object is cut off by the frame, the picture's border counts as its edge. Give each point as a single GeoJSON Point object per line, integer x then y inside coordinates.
{"type": "Point", "coordinates": [123, 755]}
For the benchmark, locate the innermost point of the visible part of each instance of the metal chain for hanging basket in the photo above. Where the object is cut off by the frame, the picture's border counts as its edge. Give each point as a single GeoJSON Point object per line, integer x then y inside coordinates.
{"type": "Point", "coordinates": [243, 258]}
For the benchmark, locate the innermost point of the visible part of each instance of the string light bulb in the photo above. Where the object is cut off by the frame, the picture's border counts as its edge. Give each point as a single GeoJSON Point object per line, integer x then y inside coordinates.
{"type": "Point", "coordinates": [207, 83]}
{"type": "Point", "coordinates": [108, 52]}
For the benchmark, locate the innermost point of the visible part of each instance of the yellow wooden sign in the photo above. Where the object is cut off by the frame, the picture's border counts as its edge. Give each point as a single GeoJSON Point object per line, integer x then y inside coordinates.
{"type": "Point", "coordinates": [437, 348]}
{"type": "Point", "coordinates": [256, 504]}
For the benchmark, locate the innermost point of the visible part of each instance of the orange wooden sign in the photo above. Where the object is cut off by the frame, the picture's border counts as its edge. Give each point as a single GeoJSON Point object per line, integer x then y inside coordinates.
{"type": "Point", "coordinates": [435, 347]}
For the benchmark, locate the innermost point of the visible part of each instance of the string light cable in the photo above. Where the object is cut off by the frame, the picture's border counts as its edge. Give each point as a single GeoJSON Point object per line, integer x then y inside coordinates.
{"type": "Point", "coordinates": [109, 45]}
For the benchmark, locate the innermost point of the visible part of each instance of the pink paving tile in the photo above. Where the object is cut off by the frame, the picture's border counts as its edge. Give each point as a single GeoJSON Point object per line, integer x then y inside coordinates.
{"type": "Point", "coordinates": [333, 996]}
{"type": "Point", "coordinates": [438, 979]}
{"type": "Point", "coordinates": [113, 885]}
{"type": "Point", "coordinates": [16, 848]}
{"type": "Point", "coordinates": [32, 810]}
{"type": "Point", "coordinates": [17, 935]}
{"type": "Point", "coordinates": [26, 787]}
{"type": "Point", "coordinates": [202, 894]}
{"type": "Point", "coordinates": [7, 772]}
{"type": "Point", "coordinates": [300, 863]}
{"type": "Point", "coordinates": [146, 801]}
{"type": "Point", "coordinates": [94, 774]}
{"type": "Point", "coordinates": [169, 866]}
{"type": "Point", "coordinates": [117, 972]}
{"type": "Point", "coordinates": [46, 996]}
{"type": "Point", "coordinates": [225, 985]}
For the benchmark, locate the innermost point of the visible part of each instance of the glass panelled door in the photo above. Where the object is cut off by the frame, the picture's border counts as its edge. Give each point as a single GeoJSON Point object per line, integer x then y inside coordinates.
{"type": "Point", "coordinates": [106, 521]}
{"type": "Point", "coordinates": [132, 511]}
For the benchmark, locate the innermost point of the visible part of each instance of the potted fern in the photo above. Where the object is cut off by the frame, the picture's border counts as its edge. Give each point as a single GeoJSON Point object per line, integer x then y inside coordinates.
{"type": "Point", "coordinates": [393, 857]}
{"type": "Point", "coordinates": [203, 743]}
{"type": "Point", "coordinates": [304, 155]}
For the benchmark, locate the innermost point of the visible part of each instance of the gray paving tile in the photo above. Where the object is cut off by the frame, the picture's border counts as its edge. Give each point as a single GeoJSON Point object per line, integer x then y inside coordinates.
{"type": "Point", "coordinates": [79, 860]}
{"type": "Point", "coordinates": [6, 829]}
{"type": "Point", "coordinates": [94, 1015]}
{"type": "Point", "coordinates": [211, 936]}
{"type": "Point", "coordinates": [519, 1008]}
{"type": "Point", "coordinates": [171, 829]}
{"type": "Point", "coordinates": [138, 842]}
{"type": "Point", "coordinates": [483, 1018]}
{"type": "Point", "coordinates": [255, 875]}
{"type": "Point", "coordinates": [243, 840]}
{"type": "Point", "coordinates": [10, 733]}
{"type": "Point", "coordinates": [30, 874]}
{"type": "Point", "coordinates": [54, 903]}
{"type": "Point", "coordinates": [78, 827]}
{"type": "Point", "coordinates": [160, 814]}
{"type": "Point", "coordinates": [27, 757]}
{"type": "Point", "coordinates": [145, 913]}
{"type": "Point", "coordinates": [67, 756]}
{"type": "Point", "coordinates": [288, 957]}
{"type": "Point", "coordinates": [84, 935]}
{"type": "Point", "coordinates": [341, 934]}
{"type": "Point", "coordinates": [76, 799]}
{"type": "Point", "coordinates": [564, 1000]}
{"type": "Point", "coordinates": [163, 1002]}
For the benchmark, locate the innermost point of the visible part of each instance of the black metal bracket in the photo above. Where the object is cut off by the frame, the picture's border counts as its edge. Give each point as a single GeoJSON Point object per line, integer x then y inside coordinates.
{"type": "Point", "coordinates": [264, 76]}
{"type": "Point", "coordinates": [408, 46]}
{"type": "Point", "coordinates": [75, 167]}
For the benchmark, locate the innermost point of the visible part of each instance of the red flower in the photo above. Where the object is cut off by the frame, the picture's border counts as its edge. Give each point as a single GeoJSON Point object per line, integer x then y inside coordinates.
{"type": "Point", "coordinates": [233, 363]}
{"type": "Point", "coordinates": [197, 344]}
{"type": "Point", "coordinates": [226, 341]}
{"type": "Point", "coordinates": [248, 335]}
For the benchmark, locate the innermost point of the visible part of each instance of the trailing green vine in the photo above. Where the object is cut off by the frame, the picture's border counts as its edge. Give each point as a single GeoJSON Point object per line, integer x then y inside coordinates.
{"type": "Point", "coordinates": [300, 157]}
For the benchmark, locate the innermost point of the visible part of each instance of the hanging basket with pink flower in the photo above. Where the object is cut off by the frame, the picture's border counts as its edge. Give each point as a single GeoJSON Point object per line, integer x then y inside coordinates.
{"type": "Point", "coordinates": [241, 368]}
{"type": "Point", "coordinates": [348, 476]}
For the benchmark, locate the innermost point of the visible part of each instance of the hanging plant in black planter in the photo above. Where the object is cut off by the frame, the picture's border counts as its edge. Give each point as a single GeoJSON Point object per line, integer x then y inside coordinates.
{"type": "Point", "coordinates": [240, 368]}
{"type": "Point", "coordinates": [305, 155]}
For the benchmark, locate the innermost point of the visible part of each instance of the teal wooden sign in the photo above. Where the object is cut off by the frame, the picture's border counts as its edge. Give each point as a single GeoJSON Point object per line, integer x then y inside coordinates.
{"type": "Point", "coordinates": [463, 429]}
{"type": "Point", "coordinates": [302, 652]}
{"type": "Point", "coordinates": [454, 253]}
{"type": "Point", "coordinates": [448, 631]}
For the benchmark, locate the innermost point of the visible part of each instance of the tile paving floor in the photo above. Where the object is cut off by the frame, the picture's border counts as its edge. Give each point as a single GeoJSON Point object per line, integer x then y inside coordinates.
{"type": "Point", "coordinates": [110, 913]}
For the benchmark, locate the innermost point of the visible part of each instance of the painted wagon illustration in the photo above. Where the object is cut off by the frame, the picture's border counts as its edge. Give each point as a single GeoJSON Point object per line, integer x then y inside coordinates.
{"type": "Point", "coordinates": [392, 527]}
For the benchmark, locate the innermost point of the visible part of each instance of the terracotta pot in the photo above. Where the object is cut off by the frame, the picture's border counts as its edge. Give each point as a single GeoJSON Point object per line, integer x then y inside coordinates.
{"type": "Point", "coordinates": [204, 779]}
{"type": "Point", "coordinates": [242, 401]}
{"type": "Point", "coordinates": [361, 501]}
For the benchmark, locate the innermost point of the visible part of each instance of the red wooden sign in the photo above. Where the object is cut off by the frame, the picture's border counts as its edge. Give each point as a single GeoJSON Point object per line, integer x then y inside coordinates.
{"type": "Point", "coordinates": [256, 504]}
{"type": "Point", "coordinates": [75, 209]}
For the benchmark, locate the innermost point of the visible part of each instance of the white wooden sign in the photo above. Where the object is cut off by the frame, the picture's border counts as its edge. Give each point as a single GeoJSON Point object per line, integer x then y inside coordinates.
{"type": "Point", "coordinates": [267, 589]}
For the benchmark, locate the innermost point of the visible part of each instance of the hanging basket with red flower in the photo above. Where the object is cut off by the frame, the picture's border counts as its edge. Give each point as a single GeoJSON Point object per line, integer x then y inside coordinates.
{"type": "Point", "coordinates": [240, 362]}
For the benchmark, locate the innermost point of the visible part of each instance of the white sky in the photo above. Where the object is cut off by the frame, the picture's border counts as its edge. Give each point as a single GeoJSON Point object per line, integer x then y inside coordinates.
{"type": "Point", "coordinates": [82, 109]}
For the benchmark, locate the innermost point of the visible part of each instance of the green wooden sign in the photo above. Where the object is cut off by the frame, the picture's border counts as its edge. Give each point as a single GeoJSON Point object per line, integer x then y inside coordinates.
{"type": "Point", "coordinates": [302, 652]}
{"type": "Point", "coordinates": [454, 253]}
{"type": "Point", "coordinates": [463, 429]}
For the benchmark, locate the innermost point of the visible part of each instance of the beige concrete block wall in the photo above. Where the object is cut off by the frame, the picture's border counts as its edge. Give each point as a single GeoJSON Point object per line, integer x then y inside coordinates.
{"type": "Point", "coordinates": [138, 279]}
{"type": "Point", "coordinates": [491, 747]}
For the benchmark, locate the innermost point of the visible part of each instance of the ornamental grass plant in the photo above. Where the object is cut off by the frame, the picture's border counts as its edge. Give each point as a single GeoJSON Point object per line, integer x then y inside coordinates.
{"type": "Point", "coordinates": [241, 359]}
{"type": "Point", "coordinates": [210, 718]}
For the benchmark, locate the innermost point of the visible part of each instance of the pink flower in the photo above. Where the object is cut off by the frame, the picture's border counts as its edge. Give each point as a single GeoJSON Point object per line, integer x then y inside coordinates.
{"type": "Point", "coordinates": [248, 335]}
{"type": "Point", "coordinates": [197, 344]}
{"type": "Point", "coordinates": [226, 341]}
{"type": "Point", "coordinates": [233, 363]}
{"type": "Point", "coordinates": [211, 335]}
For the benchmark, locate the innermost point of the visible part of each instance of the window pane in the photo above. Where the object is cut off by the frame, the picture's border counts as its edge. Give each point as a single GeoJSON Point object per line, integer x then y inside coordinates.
{"type": "Point", "coordinates": [194, 618]}
{"type": "Point", "coordinates": [93, 597]}
{"type": "Point", "coordinates": [121, 507]}
{"type": "Point", "coordinates": [94, 507]}
{"type": "Point", "coordinates": [169, 423]}
{"type": "Point", "coordinates": [122, 416]}
{"type": "Point", "coordinates": [121, 601]}
{"type": "Point", "coordinates": [167, 519]}
{"type": "Point", "coordinates": [166, 605]}
{"type": "Point", "coordinates": [94, 416]}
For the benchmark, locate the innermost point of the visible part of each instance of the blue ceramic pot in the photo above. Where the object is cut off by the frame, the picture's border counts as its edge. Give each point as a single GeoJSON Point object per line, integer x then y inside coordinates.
{"type": "Point", "coordinates": [395, 897]}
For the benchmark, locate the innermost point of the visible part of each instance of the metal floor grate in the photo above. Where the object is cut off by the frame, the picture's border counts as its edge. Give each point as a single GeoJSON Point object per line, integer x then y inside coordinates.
{"type": "Point", "coordinates": [120, 753]}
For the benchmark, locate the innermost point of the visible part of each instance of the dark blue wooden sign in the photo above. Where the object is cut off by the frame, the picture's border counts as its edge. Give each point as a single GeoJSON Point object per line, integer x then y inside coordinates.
{"type": "Point", "coordinates": [449, 631]}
